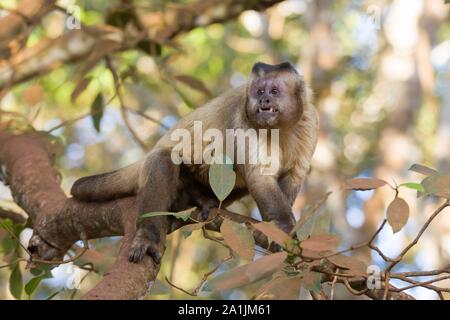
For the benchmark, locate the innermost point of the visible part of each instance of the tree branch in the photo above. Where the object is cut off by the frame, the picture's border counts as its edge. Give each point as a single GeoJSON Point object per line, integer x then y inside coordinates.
{"type": "Point", "coordinates": [59, 221]}
{"type": "Point", "coordinates": [76, 45]}
{"type": "Point", "coordinates": [14, 216]}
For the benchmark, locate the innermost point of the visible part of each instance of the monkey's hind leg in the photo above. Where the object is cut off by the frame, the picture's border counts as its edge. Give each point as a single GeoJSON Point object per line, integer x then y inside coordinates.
{"type": "Point", "coordinates": [157, 192]}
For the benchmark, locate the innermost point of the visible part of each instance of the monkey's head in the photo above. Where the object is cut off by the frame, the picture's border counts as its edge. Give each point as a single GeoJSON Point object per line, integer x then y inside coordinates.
{"type": "Point", "coordinates": [275, 95]}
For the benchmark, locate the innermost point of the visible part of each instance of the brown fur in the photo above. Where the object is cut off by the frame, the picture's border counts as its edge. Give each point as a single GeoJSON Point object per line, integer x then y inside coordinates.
{"type": "Point", "coordinates": [158, 182]}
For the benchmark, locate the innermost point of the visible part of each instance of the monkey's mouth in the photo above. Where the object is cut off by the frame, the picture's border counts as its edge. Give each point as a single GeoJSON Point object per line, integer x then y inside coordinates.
{"type": "Point", "coordinates": [267, 110]}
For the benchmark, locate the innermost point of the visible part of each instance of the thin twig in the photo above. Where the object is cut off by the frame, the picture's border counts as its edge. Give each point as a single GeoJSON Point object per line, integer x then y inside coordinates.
{"type": "Point", "coordinates": [353, 291]}
{"type": "Point", "coordinates": [333, 285]}
{"type": "Point", "coordinates": [178, 288]}
{"type": "Point", "coordinates": [123, 109]}
{"type": "Point", "coordinates": [416, 239]}
{"type": "Point", "coordinates": [32, 259]}
{"type": "Point", "coordinates": [90, 113]}
{"type": "Point", "coordinates": [149, 118]}
{"type": "Point", "coordinates": [420, 284]}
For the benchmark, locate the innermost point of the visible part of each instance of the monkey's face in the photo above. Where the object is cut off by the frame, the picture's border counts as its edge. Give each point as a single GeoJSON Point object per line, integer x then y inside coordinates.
{"type": "Point", "coordinates": [273, 96]}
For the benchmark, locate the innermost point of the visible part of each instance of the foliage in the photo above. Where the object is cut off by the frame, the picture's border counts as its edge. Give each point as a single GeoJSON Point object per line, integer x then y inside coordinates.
{"type": "Point", "coordinates": [382, 104]}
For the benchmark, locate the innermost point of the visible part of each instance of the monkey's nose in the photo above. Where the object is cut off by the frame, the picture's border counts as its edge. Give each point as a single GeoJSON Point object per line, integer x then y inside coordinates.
{"type": "Point", "coordinates": [264, 103]}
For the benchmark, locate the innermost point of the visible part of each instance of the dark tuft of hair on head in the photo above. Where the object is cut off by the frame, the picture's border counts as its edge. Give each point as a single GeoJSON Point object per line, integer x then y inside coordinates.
{"type": "Point", "coordinates": [261, 68]}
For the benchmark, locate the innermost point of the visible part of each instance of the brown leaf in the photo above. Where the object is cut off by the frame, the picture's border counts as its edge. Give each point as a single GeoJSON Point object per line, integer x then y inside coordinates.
{"type": "Point", "coordinates": [33, 94]}
{"type": "Point", "coordinates": [192, 226]}
{"type": "Point", "coordinates": [273, 232]}
{"type": "Point", "coordinates": [248, 273]}
{"type": "Point", "coordinates": [320, 243]}
{"type": "Point", "coordinates": [364, 183]}
{"type": "Point", "coordinates": [280, 288]}
{"type": "Point", "coordinates": [419, 168]}
{"type": "Point", "coordinates": [306, 217]}
{"type": "Point", "coordinates": [187, 229]}
{"type": "Point", "coordinates": [194, 83]}
{"type": "Point", "coordinates": [239, 238]}
{"type": "Point", "coordinates": [81, 86]}
{"type": "Point", "coordinates": [102, 48]}
{"type": "Point", "coordinates": [397, 214]}
{"type": "Point", "coordinates": [348, 262]}
{"type": "Point", "coordinates": [437, 184]}
{"type": "Point", "coordinates": [312, 280]}
{"type": "Point", "coordinates": [315, 254]}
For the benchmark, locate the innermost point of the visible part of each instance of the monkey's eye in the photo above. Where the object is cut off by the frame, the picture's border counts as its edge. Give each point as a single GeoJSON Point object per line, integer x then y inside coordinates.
{"type": "Point", "coordinates": [260, 91]}
{"type": "Point", "coordinates": [274, 91]}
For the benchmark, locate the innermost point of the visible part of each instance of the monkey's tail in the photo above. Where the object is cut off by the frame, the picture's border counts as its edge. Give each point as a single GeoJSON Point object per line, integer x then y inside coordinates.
{"type": "Point", "coordinates": [108, 186]}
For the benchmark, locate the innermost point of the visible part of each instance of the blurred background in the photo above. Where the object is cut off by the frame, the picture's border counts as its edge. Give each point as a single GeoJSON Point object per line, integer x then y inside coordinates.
{"type": "Point", "coordinates": [380, 75]}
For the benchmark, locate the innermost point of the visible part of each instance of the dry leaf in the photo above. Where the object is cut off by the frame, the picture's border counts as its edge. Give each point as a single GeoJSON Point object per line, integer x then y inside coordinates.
{"type": "Point", "coordinates": [419, 168]}
{"type": "Point", "coordinates": [397, 214]}
{"type": "Point", "coordinates": [273, 232]}
{"type": "Point", "coordinates": [81, 86]}
{"type": "Point", "coordinates": [33, 94]}
{"type": "Point", "coordinates": [280, 288]}
{"type": "Point", "coordinates": [364, 183]}
{"type": "Point", "coordinates": [194, 83]}
{"type": "Point", "coordinates": [320, 243]}
{"type": "Point", "coordinates": [312, 280]}
{"type": "Point", "coordinates": [348, 262]}
{"type": "Point", "coordinates": [437, 184]}
{"type": "Point", "coordinates": [239, 238]}
{"type": "Point", "coordinates": [248, 273]}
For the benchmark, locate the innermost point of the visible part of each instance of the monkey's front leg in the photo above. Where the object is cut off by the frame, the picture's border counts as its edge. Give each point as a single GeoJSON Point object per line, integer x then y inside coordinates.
{"type": "Point", "coordinates": [157, 192]}
{"type": "Point", "coordinates": [291, 183]}
{"type": "Point", "coordinates": [271, 200]}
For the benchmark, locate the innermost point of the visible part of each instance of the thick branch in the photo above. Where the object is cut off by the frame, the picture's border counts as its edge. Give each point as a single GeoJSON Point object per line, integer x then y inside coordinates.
{"type": "Point", "coordinates": [75, 45]}
{"type": "Point", "coordinates": [27, 12]}
{"type": "Point", "coordinates": [59, 221]}
{"type": "Point", "coordinates": [14, 216]}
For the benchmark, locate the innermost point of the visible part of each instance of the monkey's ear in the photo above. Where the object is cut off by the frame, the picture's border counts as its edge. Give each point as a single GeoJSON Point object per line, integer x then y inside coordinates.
{"type": "Point", "coordinates": [259, 69]}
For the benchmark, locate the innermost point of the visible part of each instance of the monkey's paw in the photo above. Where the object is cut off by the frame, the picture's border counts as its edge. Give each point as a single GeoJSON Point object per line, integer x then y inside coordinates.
{"type": "Point", "coordinates": [145, 244]}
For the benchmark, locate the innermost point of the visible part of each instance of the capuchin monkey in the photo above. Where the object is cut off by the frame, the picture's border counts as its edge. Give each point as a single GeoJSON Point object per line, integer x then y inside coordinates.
{"type": "Point", "coordinates": [275, 97]}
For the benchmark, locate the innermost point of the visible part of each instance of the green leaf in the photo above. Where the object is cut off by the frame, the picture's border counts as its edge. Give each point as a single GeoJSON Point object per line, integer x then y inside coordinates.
{"type": "Point", "coordinates": [183, 215]}
{"type": "Point", "coordinates": [7, 224]}
{"type": "Point", "coordinates": [412, 185]}
{"type": "Point", "coordinates": [97, 108]}
{"type": "Point", "coordinates": [222, 179]}
{"type": "Point", "coordinates": [43, 270]}
{"type": "Point", "coordinates": [15, 282]}
{"type": "Point", "coordinates": [31, 286]}
{"type": "Point", "coordinates": [8, 244]}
